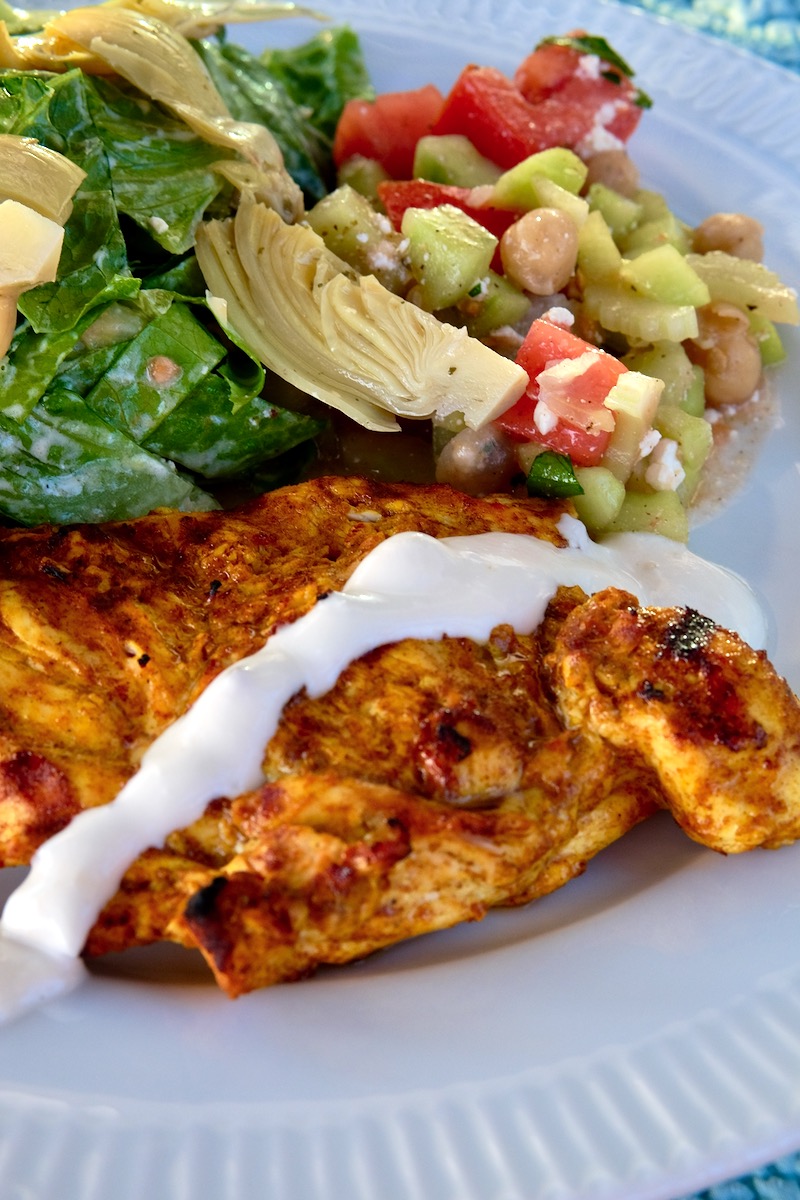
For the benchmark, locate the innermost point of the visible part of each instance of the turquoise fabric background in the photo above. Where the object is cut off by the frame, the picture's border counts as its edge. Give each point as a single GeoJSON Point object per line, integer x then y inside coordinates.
{"type": "Point", "coordinates": [767, 27]}
{"type": "Point", "coordinates": [770, 28]}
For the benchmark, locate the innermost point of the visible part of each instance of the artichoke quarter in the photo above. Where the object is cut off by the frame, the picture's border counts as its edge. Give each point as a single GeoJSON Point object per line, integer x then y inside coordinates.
{"type": "Point", "coordinates": [342, 338]}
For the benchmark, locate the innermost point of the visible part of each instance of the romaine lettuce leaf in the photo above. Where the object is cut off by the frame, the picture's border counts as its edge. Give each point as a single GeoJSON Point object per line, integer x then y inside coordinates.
{"type": "Point", "coordinates": [94, 268]}
{"type": "Point", "coordinates": [161, 174]}
{"type": "Point", "coordinates": [30, 367]}
{"type": "Point", "coordinates": [253, 94]}
{"type": "Point", "coordinates": [322, 75]}
{"type": "Point", "coordinates": [64, 464]}
{"type": "Point", "coordinates": [216, 437]}
{"type": "Point", "coordinates": [19, 20]}
{"type": "Point", "coordinates": [118, 371]}
{"type": "Point", "coordinates": [155, 372]}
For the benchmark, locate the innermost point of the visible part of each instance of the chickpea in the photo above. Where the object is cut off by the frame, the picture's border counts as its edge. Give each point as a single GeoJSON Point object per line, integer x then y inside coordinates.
{"type": "Point", "coordinates": [728, 353]}
{"type": "Point", "coordinates": [162, 371]}
{"type": "Point", "coordinates": [734, 233]}
{"type": "Point", "coordinates": [614, 168]}
{"type": "Point", "coordinates": [477, 461]}
{"type": "Point", "coordinates": [539, 251]}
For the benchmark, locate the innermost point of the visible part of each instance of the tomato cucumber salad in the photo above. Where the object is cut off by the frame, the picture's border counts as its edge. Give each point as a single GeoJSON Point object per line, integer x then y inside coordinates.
{"type": "Point", "coordinates": [215, 265]}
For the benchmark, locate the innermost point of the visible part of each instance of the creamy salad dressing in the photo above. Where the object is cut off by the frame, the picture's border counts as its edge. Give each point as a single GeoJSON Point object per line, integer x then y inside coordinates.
{"type": "Point", "coordinates": [411, 585]}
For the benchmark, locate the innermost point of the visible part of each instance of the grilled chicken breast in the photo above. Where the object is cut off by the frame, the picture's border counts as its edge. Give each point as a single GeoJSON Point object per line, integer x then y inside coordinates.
{"type": "Point", "coordinates": [434, 781]}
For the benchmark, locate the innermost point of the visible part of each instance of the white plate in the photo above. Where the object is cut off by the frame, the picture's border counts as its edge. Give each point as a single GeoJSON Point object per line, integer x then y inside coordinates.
{"type": "Point", "coordinates": [636, 1035]}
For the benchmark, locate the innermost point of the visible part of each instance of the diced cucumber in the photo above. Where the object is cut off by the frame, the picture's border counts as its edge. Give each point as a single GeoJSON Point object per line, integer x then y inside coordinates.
{"type": "Point", "coordinates": [660, 231]}
{"type": "Point", "coordinates": [363, 175]}
{"type": "Point", "coordinates": [695, 400]}
{"type": "Point", "coordinates": [526, 452]}
{"type": "Point", "coordinates": [663, 274]}
{"type": "Point", "coordinates": [350, 227]}
{"type": "Point", "coordinates": [620, 213]}
{"type": "Point", "coordinates": [695, 439]}
{"type": "Point", "coordinates": [499, 303]}
{"type": "Point", "coordinates": [652, 512]}
{"type": "Point", "coordinates": [768, 338]}
{"type": "Point", "coordinates": [633, 399]}
{"type": "Point", "coordinates": [451, 158]}
{"type": "Point", "coordinates": [552, 195]}
{"type": "Point", "coordinates": [653, 204]}
{"type": "Point", "coordinates": [449, 253]}
{"type": "Point", "coordinates": [599, 260]}
{"type": "Point", "coordinates": [602, 499]}
{"type": "Point", "coordinates": [445, 428]}
{"type": "Point", "coordinates": [519, 187]}
{"type": "Point", "coordinates": [620, 310]}
{"type": "Point", "coordinates": [667, 361]}
{"type": "Point", "coordinates": [749, 285]}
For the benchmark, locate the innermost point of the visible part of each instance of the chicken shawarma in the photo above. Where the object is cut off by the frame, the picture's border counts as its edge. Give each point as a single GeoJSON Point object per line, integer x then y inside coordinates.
{"type": "Point", "coordinates": [434, 781]}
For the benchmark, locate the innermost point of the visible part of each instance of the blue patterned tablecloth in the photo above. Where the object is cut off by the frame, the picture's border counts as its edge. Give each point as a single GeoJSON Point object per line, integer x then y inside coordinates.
{"type": "Point", "coordinates": [770, 28]}
{"type": "Point", "coordinates": [767, 27]}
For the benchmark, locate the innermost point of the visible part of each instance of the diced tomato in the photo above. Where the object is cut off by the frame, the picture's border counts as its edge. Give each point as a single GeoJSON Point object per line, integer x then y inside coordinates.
{"type": "Point", "coordinates": [585, 104]}
{"type": "Point", "coordinates": [556, 77]}
{"type": "Point", "coordinates": [585, 447]}
{"type": "Point", "coordinates": [388, 128]}
{"type": "Point", "coordinates": [545, 70]}
{"type": "Point", "coordinates": [398, 195]}
{"type": "Point", "coordinates": [546, 344]}
{"type": "Point", "coordinates": [485, 106]}
{"type": "Point", "coordinates": [561, 107]}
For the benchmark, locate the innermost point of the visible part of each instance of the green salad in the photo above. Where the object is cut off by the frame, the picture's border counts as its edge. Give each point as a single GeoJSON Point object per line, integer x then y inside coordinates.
{"type": "Point", "coordinates": [206, 254]}
{"type": "Point", "coordinates": [121, 391]}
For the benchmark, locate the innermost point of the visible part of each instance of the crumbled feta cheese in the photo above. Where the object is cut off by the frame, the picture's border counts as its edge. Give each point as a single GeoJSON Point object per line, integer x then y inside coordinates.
{"type": "Point", "coordinates": [158, 225]}
{"type": "Point", "coordinates": [598, 139]}
{"type": "Point", "coordinates": [362, 237]}
{"type": "Point", "coordinates": [574, 531]}
{"type": "Point", "coordinates": [481, 195]}
{"type": "Point", "coordinates": [560, 316]}
{"type": "Point", "coordinates": [544, 418]}
{"type": "Point", "coordinates": [384, 257]}
{"type": "Point", "coordinates": [589, 67]}
{"type": "Point", "coordinates": [599, 136]}
{"type": "Point", "coordinates": [665, 472]}
{"type": "Point", "coordinates": [648, 443]}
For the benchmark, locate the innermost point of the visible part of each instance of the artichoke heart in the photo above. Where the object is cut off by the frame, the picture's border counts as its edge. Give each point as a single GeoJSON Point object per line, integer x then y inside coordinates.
{"type": "Point", "coordinates": [346, 340]}
{"type": "Point", "coordinates": [203, 18]}
{"type": "Point", "coordinates": [145, 51]}
{"type": "Point", "coordinates": [36, 190]}
{"type": "Point", "coordinates": [38, 177]}
{"type": "Point", "coordinates": [162, 64]}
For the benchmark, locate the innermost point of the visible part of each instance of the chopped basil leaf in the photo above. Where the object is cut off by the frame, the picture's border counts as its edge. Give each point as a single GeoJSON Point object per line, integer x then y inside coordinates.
{"type": "Point", "coordinates": [552, 476]}
{"type": "Point", "coordinates": [588, 43]}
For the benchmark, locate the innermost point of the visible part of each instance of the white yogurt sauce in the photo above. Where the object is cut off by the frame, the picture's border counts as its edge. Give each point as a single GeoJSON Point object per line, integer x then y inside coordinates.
{"type": "Point", "coordinates": [411, 585]}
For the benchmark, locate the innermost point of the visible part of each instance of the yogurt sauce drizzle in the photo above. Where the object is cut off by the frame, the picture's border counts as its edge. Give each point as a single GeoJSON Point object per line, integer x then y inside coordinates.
{"type": "Point", "coordinates": [411, 585]}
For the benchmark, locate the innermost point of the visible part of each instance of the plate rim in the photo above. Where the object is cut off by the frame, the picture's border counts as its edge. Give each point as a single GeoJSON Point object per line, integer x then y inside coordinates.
{"type": "Point", "coordinates": [99, 1125]}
